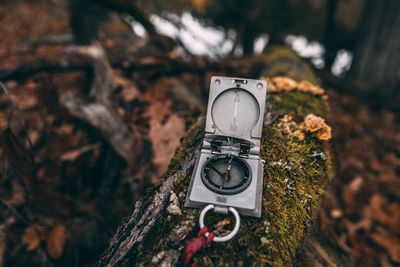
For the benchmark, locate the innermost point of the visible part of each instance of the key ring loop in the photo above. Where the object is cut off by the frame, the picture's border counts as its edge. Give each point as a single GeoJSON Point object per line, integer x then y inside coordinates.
{"type": "Point", "coordinates": [231, 234]}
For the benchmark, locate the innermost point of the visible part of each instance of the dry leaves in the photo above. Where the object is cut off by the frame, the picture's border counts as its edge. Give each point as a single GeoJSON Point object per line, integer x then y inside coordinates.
{"type": "Point", "coordinates": [28, 99]}
{"type": "Point", "coordinates": [30, 239]}
{"type": "Point", "coordinates": [390, 243]}
{"type": "Point", "coordinates": [385, 212]}
{"type": "Point", "coordinates": [165, 139]}
{"type": "Point", "coordinates": [129, 90]}
{"type": "Point", "coordinates": [166, 130]}
{"type": "Point", "coordinates": [55, 238]}
{"type": "Point", "coordinates": [55, 241]}
{"type": "Point", "coordinates": [363, 212]}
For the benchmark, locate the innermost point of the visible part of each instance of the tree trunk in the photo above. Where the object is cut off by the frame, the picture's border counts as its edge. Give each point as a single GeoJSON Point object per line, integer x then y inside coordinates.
{"type": "Point", "coordinates": [295, 177]}
{"type": "Point", "coordinates": [376, 56]}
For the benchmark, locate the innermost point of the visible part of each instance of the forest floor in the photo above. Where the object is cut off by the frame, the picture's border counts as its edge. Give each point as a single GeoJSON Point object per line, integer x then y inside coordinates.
{"type": "Point", "coordinates": [62, 191]}
{"type": "Point", "coordinates": [361, 211]}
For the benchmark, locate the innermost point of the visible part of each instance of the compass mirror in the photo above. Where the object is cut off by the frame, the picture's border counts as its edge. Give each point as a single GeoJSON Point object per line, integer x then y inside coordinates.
{"type": "Point", "coordinates": [235, 112]}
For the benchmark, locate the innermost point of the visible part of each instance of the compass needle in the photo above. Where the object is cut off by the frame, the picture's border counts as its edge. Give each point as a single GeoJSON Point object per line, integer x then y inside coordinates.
{"type": "Point", "coordinates": [235, 178]}
{"type": "Point", "coordinates": [217, 171]}
{"type": "Point", "coordinates": [227, 175]}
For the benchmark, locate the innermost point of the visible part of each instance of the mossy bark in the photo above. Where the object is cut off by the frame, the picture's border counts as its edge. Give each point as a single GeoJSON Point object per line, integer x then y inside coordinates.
{"type": "Point", "coordinates": [296, 174]}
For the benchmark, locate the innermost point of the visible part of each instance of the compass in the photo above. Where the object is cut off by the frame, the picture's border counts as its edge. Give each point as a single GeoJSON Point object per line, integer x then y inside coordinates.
{"type": "Point", "coordinates": [226, 174]}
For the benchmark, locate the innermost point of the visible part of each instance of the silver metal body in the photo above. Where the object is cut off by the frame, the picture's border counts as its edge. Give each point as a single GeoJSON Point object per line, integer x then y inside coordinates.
{"type": "Point", "coordinates": [234, 125]}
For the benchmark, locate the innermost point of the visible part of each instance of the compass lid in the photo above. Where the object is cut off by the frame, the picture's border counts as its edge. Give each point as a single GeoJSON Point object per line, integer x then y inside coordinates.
{"type": "Point", "coordinates": [236, 109]}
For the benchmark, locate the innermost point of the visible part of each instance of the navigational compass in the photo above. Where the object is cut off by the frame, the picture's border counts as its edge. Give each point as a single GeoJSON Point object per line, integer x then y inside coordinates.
{"type": "Point", "coordinates": [228, 175]}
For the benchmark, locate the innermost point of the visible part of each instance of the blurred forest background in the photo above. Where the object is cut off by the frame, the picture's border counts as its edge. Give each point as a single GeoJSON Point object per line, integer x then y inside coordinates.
{"type": "Point", "coordinates": [67, 178]}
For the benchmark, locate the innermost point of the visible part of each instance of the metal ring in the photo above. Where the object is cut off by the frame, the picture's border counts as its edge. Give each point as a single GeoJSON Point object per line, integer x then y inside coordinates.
{"type": "Point", "coordinates": [231, 234]}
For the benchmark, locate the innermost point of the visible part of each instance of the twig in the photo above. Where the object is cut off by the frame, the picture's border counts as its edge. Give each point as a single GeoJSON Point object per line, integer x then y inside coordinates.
{"type": "Point", "coordinates": [100, 113]}
{"type": "Point", "coordinates": [62, 39]}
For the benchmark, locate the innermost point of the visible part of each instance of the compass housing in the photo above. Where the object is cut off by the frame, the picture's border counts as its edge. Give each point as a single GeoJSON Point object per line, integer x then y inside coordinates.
{"type": "Point", "coordinates": [234, 125]}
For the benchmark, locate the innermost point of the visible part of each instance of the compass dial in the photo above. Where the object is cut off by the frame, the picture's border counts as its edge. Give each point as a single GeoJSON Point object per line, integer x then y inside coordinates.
{"type": "Point", "coordinates": [226, 174]}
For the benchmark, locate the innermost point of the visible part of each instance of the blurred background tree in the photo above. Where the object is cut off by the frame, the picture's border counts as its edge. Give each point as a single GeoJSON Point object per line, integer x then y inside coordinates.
{"type": "Point", "coordinates": [367, 29]}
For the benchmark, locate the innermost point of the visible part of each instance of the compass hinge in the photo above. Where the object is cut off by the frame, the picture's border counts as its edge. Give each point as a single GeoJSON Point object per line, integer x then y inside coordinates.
{"type": "Point", "coordinates": [244, 149]}
{"type": "Point", "coordinates": [216, 146]}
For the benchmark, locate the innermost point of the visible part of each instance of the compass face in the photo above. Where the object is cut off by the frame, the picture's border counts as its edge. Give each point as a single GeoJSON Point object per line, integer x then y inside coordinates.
{"type": "Point", "coordinates": [235, 111]}
{"type": "Point", "coordinates": [226, 174]}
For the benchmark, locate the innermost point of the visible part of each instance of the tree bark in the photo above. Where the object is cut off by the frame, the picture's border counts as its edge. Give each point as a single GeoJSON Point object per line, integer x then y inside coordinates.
{"type": "Point", "coordinates": [376, 57]}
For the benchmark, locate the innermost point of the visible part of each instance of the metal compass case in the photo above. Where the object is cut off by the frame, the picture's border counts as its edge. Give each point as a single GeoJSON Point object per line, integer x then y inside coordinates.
{"type": "Point", "coordinates": [228, 175]}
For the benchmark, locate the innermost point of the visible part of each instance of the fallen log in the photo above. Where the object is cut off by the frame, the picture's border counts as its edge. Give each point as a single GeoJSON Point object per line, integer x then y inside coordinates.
{"type": "Point", "coordinates": [297, 171]}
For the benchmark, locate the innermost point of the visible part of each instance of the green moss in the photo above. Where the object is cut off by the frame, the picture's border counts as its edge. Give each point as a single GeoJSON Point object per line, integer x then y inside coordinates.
{"type": "Point", "coordinates": [299, 103]}
{"type": "Point", "coordinates": [283, 61]}
{"type": "Point", "coordinates": [293, 184]}
{"type": "Point", "coordinates": [295, 180]}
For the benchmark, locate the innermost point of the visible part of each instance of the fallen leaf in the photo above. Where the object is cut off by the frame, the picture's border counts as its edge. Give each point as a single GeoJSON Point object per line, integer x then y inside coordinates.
{"type": "Point", "coordinates": [55, 241]}
{"type": "Point", "coordinates": [129, 90]}
{"type": "Point", "coordinates": [30, 239]}
{"type": "Point", "coordinates": [165, 139]}
{"type": "Point", "coordinates": [384, 212]}
{"type": "Point", "coordinates": [390, 243]}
